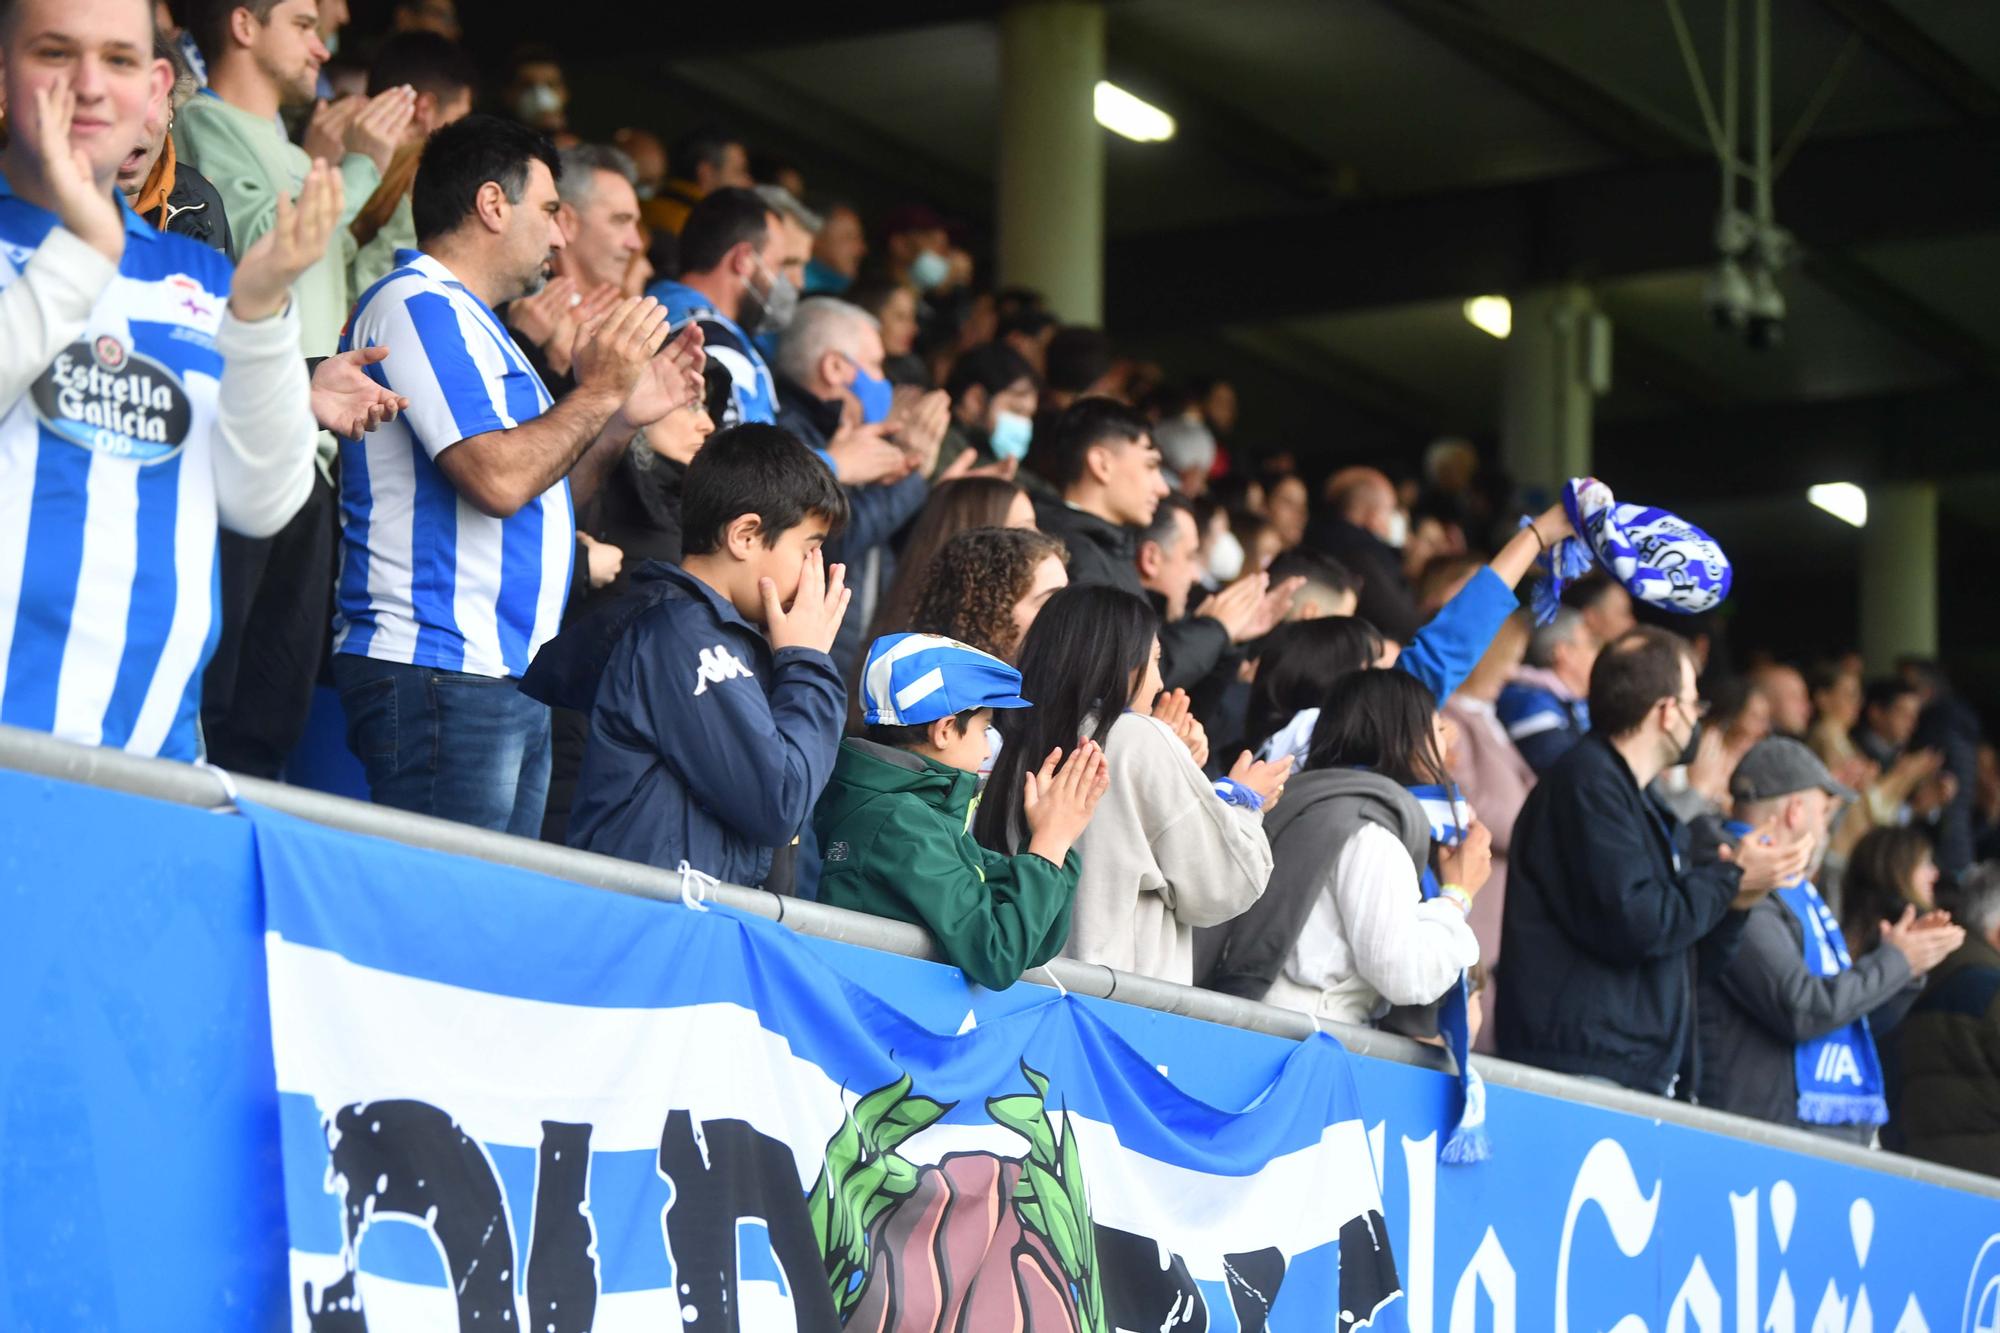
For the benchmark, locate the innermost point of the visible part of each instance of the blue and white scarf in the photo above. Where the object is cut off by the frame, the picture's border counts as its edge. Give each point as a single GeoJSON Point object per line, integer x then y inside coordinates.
{"type": "Point", "coordinates": [1840, 1077]}
{"type": "Point", "coordinates": [1450, 820]}
{"type": "Point", "coordinates": [1659, 557]}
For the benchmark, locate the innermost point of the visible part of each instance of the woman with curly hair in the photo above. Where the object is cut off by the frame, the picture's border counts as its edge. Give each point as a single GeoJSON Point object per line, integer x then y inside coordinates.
{"type": "Point", "coordinates": [955, 507]}
{"type": "Point", "coordinates": [987, 585]}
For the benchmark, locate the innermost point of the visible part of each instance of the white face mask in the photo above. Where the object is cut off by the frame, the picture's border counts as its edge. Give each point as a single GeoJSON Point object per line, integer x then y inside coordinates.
{"type": "Point", "coordinates": [1225, 558]}
{"type": "Point", "coordinates": [1399, 529]}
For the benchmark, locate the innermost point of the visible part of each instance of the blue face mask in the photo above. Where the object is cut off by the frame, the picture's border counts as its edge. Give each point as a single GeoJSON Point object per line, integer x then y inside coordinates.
{"type": "Point", "coordinates": [874, 393]}
{"type": "Point", "coordinates": [820, 278]}
{"type": "Point", "coordinates": [1011, 435]}
{"type": "Point", "coordinates": [929, 269]}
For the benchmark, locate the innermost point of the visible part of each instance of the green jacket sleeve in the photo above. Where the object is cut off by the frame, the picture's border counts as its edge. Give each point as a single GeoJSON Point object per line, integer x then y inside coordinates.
{"type": "Point", "coordinates": [1028, 868]}
{"type": "Point", "coordinates": [916, 869]}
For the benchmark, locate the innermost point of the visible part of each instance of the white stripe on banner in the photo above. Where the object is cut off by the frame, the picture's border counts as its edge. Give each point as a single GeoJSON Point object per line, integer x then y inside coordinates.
{"type": "Point", "coordinates": [621, 1070]}
{"type": "Point", "coordinates": [392, 1306]}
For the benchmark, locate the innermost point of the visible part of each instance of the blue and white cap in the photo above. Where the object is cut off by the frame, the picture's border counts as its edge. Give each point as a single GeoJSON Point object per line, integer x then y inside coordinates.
{"type": "Point", "coordinates": [911, 679]}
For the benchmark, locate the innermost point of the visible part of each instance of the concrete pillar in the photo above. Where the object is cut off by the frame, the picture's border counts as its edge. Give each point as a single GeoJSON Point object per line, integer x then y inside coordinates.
{"type": "Point", "coordinates": [1051, 176]}
{"type": "Point", "coordinates": [1899, 574]}
{"type": "Point", "coordinates": [1558, 360]}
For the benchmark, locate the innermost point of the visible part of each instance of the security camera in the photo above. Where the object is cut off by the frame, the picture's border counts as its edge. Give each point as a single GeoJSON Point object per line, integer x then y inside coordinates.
{"type": "Point", "coordinates": [1728, 295]}
{"type": "Point", "coordinates": [1765, 326]}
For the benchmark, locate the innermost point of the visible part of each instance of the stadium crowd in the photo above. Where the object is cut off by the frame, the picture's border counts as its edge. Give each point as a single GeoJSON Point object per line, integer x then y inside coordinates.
{"type": "Point", "coordinates": [636, 497]}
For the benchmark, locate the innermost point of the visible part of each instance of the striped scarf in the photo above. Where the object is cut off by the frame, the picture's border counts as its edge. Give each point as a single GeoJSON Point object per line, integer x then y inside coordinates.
{"type": "Point", "coordinates": [1450, 820]}
{"type": "Point", "coordinates": [1659, 557]}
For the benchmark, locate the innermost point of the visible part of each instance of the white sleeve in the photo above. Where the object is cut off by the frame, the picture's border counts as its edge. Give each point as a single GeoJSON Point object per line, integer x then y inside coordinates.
{"type": "Point", "coordinates": [1214, 855]}
{"type": "Point", "coordinates": [1409, 950]}
{"type": "Point", "coordinates": [265, 433]}
{"type": "Point", "coordinates": [45, 309]}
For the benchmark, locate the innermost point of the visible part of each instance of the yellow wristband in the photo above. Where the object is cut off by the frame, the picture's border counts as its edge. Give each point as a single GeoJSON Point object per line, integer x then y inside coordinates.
{"type": "Point", "coordinates": [1458, 896]}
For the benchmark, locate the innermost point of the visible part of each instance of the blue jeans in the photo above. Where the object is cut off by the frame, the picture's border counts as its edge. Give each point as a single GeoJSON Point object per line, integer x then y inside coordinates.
{"type": "Point", "coordinates": [471, 749]}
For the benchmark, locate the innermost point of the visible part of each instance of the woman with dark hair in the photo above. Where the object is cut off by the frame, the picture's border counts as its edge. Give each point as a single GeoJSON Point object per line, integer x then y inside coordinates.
{"type": "Point", "coordinates": [1890, 871]}
{"type": "Point", "coordinates": [1167, 850]}
{"type": "Point", "coordinates": [955, 507]}
{"type": "Point", "coordinates": [1440, 655]}
{"type": "Point", "coordinates": [638, 508]}
{"type": "Point", "coordinates": [986, 586]}
{"type": "Point", "coordinates": [1300, 665]}
{"type": "Point", "coordinates": [1347, 928]}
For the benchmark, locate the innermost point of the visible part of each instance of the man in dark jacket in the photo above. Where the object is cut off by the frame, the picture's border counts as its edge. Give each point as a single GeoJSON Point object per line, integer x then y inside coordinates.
{"type": "Point", "coordinates": [1100, 456]}
{"type": "Point", "coordinates": [832, 352]}
{"type": "Point", "coordinates": [1945, 1083]}
{"type": "Point", "coordinates": [1785, 1027]}
{"type": "Point", "coordinates": [1604, 920]}
{"type": "Point", "coordinates": [715, 712]}
{"type": "Point", "coordinates": [1949, 726]}
{"type": "Point", "coordinates": [1360, 518]}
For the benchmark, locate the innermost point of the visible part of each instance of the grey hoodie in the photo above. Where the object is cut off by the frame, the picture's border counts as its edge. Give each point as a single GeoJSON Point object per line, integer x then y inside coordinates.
{"type": "Point", "coordinates": [1320, 812]}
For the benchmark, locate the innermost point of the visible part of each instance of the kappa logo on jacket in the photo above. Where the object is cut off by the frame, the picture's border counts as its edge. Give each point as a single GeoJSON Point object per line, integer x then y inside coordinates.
{"type": "Point", "coordinates": [717, 665]}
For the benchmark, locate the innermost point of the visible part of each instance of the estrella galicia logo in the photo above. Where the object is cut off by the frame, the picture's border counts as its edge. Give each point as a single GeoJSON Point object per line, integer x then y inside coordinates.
{"type": "Point", "coordinates": [112, 400]}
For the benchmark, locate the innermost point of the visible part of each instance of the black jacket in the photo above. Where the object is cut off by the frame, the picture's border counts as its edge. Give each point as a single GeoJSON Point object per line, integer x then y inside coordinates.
{"type": "Point", "coordinates": [1386, 601]}
{"type": "Point", "coordinates": [193, 209]}
{"type": "Point", "coordinates": [638, 510]}
{"type": "Point", "coordinates": [1951, 728]}
{"type": "Point", "coordinates": [1602, 929]}
{"type": "Point", "coordinates": [1105, 555]}
{"type": "Point", "coordinates": [875, 514]}
{"type": "Point", "coordinates": [1945, 1106]}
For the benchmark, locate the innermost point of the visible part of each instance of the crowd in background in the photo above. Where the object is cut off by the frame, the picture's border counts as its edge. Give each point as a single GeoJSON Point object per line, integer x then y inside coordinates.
{"type": "Point", "coordinates": [632, 494]}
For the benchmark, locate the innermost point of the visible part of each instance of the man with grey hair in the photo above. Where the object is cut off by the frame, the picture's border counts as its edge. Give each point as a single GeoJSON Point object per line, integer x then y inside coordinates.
{"type": "Point", "coordinates": [800, 225]}
{"type": "Point", "coordinates": [832, 395]}
{"type": "Point", "coordinates": [599, 217]}
{"type": "Point", "coordinates": [1785, 1022]}
{"type": "Point", "coordinates": [1945, 1092]}
{"type": "Point", "coordinates": [1545, 707]}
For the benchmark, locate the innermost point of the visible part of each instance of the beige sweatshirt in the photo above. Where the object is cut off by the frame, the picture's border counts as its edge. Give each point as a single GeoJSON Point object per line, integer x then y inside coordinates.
{"type": "Point", "coordinates": [1163, 854]}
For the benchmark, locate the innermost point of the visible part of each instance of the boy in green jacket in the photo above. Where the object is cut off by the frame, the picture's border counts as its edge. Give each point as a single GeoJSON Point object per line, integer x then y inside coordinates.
{"type": "Point", "coordinates": [894, 823]}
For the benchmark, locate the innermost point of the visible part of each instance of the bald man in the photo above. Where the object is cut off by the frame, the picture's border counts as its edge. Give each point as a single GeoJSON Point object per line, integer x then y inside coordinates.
{"type": "Point", "coordinates": [1360, 526]}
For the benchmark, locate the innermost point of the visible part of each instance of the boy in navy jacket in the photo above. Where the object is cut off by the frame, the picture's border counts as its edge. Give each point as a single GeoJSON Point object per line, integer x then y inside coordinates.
{"type": "Point", "coordinates": [715, 711]}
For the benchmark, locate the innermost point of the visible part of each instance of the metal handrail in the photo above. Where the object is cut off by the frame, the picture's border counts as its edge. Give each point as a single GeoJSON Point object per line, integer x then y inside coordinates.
{"type": "Point", "coordinates": [210, 788]}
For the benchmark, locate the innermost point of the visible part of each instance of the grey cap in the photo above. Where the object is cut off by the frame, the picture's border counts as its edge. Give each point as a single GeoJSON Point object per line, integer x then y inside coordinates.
{"type": "Point", "coordinates": [1778, 766]}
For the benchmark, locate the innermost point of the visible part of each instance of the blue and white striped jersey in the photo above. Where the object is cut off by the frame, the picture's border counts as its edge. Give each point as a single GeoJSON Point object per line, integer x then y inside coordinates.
{"type": "Point", "coordinates": [108, 577]}
{"type": "Point", "coordinates": [753, 391]}
{"type": "Point", "coordinates": [426, 578]}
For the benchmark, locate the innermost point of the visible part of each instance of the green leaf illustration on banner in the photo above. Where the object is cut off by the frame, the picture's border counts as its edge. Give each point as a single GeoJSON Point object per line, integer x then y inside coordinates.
{"type": "Point", "coordinates": [1052, 1199]}
{"type": "Point", "coordinates": [862, 1178]}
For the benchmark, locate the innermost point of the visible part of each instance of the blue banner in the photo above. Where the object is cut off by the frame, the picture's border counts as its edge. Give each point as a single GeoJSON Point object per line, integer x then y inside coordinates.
{"type": "Point", "coordinates": [156, 1177]}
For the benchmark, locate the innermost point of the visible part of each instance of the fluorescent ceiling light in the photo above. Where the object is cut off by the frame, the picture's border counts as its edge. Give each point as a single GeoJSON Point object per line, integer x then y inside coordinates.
{"type": "Point", "coordinates": [1491, 314]}
{"type": "Point", "coordinates": [1843, 499]}
{"type": "Point", "coordinates": [1135, 118]}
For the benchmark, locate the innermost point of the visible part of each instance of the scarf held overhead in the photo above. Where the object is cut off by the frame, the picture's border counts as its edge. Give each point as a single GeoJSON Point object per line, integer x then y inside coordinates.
{"type": "Point", "coordinates": [1659, 557]}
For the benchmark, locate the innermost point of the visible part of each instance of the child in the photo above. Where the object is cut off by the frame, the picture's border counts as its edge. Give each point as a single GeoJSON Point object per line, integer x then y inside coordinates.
{"type": "Point", "coordinates": [715, 711]}
{"type": "Point", "coordinates": [894, 825]}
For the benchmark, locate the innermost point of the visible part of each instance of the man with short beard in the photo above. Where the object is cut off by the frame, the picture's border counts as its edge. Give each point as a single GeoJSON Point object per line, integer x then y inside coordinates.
{"type": "Point", "coordinates": [457, 522]}
{"type": "Point", "coordinates": [263, 59]}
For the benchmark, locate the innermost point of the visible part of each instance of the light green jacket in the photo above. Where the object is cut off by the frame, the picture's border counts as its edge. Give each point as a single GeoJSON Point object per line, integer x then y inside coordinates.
{"type": "Point", "coordinates": [249, 162]}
